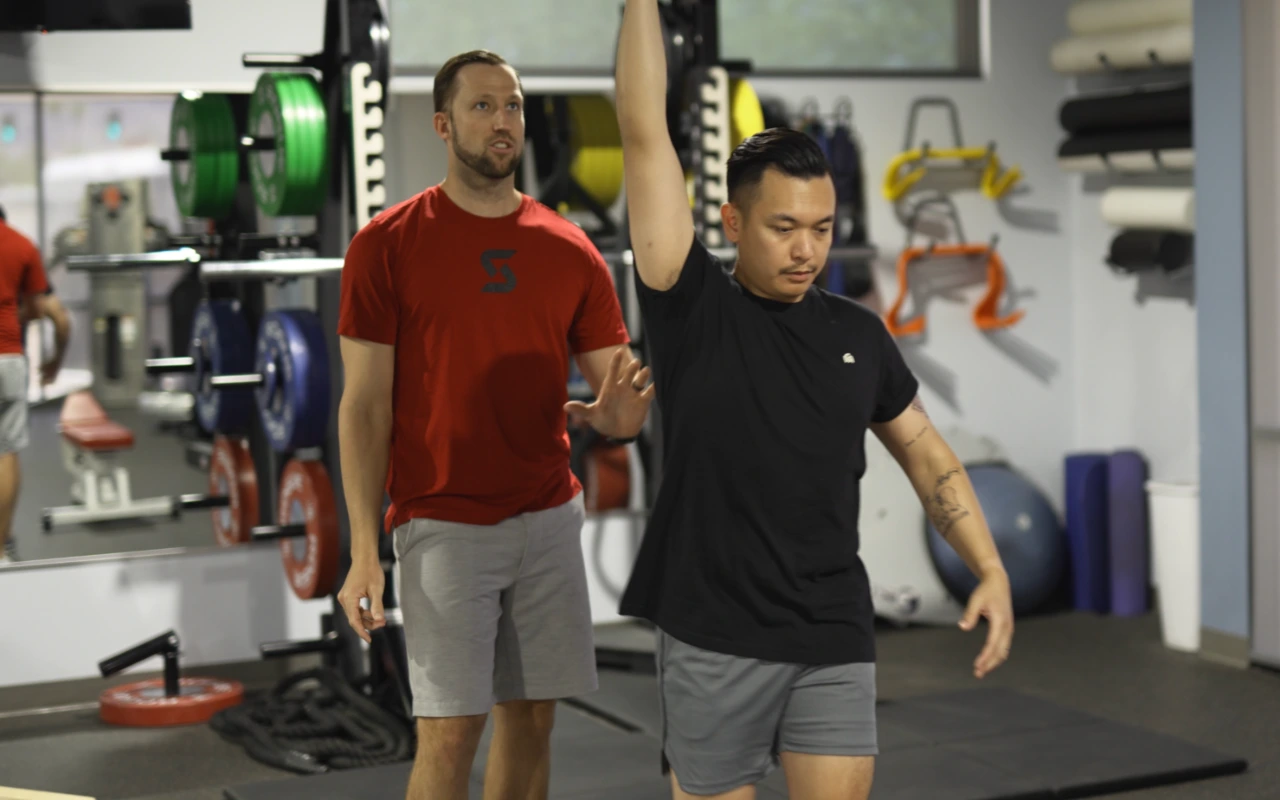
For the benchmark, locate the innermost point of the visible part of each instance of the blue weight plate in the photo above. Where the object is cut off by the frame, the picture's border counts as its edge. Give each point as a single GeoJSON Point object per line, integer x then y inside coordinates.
{"type": "Point", "coordinates": [221, 345]}
{"type": "Point", "coordinates": [293, 359]}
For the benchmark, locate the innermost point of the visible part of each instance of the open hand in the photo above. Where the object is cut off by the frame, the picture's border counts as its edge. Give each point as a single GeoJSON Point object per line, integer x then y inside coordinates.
{"type": "Point", "coordinates": [623, 401]}
{"type": "Point", "coordinates": [991, 599]}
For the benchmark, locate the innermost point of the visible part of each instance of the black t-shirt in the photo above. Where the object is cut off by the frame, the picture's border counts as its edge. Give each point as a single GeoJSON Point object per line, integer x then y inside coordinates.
{"type": "Point", "coordinates": [752, 545]}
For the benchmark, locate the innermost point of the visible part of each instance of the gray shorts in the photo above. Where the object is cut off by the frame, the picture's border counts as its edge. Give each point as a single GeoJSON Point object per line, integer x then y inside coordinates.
{"type": "Point", "coordinates": [13, 403]}
{"type": "Point", "coordinates": [495, 613]}
{"type": "Point", "coordinates": [726, 719]}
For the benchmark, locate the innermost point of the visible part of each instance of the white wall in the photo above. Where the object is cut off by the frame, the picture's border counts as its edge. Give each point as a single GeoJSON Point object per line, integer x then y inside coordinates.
{"type": "Point", "coordinates": [222, 603]}
{"type": "Point", "coordinates": [1134, 338]}
{"type": "Point", "coordinates": [206, 57]}
{"type": "Point", "coordinates": [1134, 363]}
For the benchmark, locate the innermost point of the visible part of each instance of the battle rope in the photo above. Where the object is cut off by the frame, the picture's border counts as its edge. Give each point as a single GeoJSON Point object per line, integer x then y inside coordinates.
{"type": "Point", "coordinates": [314, 722]}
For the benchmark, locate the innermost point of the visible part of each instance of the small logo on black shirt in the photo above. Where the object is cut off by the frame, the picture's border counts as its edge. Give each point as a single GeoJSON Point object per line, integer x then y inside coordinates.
{"type": "Point", "coordinates": [488, 259]}
{"type": "Point", "coordinates": [848, 358]}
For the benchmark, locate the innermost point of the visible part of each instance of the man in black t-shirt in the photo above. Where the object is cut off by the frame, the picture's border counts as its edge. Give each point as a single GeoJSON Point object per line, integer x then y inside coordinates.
{"type": "Point", "coordinates": [767, 385]}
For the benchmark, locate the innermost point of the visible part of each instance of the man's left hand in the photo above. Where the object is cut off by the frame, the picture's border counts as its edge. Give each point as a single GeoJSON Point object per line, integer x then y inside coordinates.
{"type": "Point", "coordinates": [991, 599]}
{"type": "Point", "coordinates": [623, 401]}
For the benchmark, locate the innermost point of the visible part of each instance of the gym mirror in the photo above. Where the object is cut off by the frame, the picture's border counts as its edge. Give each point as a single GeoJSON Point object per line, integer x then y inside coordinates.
{"type": "Point", "coordinates": [89, 179]}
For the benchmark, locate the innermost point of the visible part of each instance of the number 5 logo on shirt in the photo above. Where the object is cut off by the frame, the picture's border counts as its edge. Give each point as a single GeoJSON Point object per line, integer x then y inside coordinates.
{"type": "Point", "coordinates": [488, 258]}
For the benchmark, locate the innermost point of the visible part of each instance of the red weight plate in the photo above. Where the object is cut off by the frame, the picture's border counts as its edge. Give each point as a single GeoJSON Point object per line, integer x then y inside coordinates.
{"type": "Point", "coordinates": [607, 478]}
{"type": "Point", "coordinates": [143, 704]}
{"type": "Point", "coordinates": [232, 474]}
{"type": "Point", "coordinates": [306, 497]}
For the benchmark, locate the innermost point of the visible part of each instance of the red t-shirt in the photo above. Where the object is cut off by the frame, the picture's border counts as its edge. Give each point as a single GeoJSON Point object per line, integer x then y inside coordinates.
{"type": "Point", "coordinates": [484, 313]}
{"type": "Point", "coordinates": [21, 274]}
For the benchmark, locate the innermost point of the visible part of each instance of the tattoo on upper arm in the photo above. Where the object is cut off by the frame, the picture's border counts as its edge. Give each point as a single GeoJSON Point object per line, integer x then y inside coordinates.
{"type": "Point", "coordinates": [943, 505]}
{"type": "Point", "coordinates": [918, 405]}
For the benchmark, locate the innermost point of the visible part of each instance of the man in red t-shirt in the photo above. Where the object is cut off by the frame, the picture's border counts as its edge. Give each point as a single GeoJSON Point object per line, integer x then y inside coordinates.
{"type": "Point", "coordinates": [24, 295]}
{"type": "Point", "coordinates": [460, 309]}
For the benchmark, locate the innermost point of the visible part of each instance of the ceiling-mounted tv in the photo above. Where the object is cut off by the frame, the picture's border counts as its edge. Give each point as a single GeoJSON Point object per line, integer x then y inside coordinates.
{"type": "Point", "coordinates": [95, 15]}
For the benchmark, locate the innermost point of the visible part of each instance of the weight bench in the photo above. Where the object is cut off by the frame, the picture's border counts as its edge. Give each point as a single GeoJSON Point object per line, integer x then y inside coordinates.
{"type": "Point", "coordinates": [100, 489]}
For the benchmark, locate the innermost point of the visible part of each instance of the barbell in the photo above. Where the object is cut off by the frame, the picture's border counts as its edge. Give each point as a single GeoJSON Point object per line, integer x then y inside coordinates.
{"type": "Point", "coordinates": [285, 142]}
{"type": "Point", "coordinates": [306, 514]}
{"type": "Point", "coordinates": [284, 373]}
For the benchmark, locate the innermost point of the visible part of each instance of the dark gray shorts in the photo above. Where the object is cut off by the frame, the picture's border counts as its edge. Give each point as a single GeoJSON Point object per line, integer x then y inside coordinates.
{"type": "Point", "coordinates": [726, 719]}
{"type": "Point", "coordinates": [494, 613]}
{"type": "Point", "coordinates": [13, 404]}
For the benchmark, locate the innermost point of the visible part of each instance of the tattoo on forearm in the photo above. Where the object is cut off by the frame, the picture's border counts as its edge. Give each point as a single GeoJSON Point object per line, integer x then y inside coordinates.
{"type": "Point", "coordinates": [916, 438]}
{"type": "Point", "coordinates": [943, 504]}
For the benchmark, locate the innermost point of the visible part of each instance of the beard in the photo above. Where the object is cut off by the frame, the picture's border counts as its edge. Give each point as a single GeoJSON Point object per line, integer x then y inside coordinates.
{"type": "Point", "coordinates": [486, 164]}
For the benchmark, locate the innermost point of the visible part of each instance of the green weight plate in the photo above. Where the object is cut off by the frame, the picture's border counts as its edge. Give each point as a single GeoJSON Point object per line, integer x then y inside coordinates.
{"type": "Point", "coordinates": [295, 153]}
{"type": "Point", "coordinates": [204, 125]}
{"type": "Point", "coordinates": [184, 175]}
{"type": "Point", "coordinates": [287, 181]}
{"type": "Point", "coordinates": [302, 102]}
{"type": "Point", "coordinates": [307, 113]}
{"type": "Point", "coordinates": [223, 128]}
{"type": "Point", "coordinates": [266, 167]}
{"type": "Point", "coordinates": [313, 120]}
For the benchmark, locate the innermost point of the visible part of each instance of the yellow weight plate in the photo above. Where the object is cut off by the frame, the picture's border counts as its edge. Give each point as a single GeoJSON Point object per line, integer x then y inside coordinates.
{"type": "Point", "coordinates": [747, 113]}
{"type": "Point", "coordinates": [597, 148]}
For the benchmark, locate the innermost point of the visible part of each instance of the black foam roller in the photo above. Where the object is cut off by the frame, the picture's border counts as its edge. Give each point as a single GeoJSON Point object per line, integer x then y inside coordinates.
{"type": "Point", "coordinates": [1146, 108]}
{"type": "Point", "coordinates": [1136, 140]}
{"type": "Point", "coordinates": [1139, 250]}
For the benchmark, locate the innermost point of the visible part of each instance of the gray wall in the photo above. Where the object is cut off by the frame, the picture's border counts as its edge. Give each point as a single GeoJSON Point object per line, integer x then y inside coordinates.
{"type": "Point", "coordinates": [1221, 299]}
{"type": "Point", "coordinates": [1262, 136]}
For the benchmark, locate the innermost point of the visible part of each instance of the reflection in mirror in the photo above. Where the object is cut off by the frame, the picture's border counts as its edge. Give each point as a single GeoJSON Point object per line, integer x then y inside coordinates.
{"type": "Point", "coordinates": [105, 429]}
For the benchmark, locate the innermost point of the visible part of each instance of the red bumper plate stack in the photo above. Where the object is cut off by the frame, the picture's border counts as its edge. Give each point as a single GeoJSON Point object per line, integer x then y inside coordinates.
{"type": "Point", "coordinates": [306, 497]}
{"type": "Point", "coordinates": [233, 475]}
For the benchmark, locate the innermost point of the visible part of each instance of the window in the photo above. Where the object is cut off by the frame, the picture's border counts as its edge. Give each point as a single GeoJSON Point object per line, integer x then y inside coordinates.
{"type": "Point", "coordinates": [887, 37]}
{"type": "Point", "coordinates": [912, 37]}
{"type": "Point", "coordinates": [537, 36]}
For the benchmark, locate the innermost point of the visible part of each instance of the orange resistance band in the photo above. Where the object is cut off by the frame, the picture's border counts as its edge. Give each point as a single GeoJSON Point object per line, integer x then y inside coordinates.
{"type": "Point", "coordinates": [984, 313]}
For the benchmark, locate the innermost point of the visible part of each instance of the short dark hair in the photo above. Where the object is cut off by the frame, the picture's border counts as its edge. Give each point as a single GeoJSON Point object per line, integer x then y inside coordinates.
{"type": "Point", "coordinates": [446, 83]}
{"type": "Point", "coordinates": [789, 151]}
{"type": "Point", "coordinates": [2, 216]}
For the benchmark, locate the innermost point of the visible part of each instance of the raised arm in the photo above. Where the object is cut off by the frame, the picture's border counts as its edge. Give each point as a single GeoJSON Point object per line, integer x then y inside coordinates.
{"type": "Point", "coordinates": [657, 199]}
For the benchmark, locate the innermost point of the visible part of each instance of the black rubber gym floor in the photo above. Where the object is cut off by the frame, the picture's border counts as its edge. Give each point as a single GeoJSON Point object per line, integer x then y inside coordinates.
{"type": "Point", "coordinates": [971, 744]}
{"type": "Point", "coordinates": [1113, 669]}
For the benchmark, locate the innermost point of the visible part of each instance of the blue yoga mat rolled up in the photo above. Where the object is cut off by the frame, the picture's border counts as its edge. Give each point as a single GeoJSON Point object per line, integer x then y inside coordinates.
{"type": "Point", "coordinates": [1087, 517]}
{"type": "Point", "coordinates": [1127, 532]}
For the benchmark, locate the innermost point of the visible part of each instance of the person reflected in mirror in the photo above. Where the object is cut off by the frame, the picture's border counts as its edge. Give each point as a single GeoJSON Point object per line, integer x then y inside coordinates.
{"type": "Point", "coordinates": [25, 296]}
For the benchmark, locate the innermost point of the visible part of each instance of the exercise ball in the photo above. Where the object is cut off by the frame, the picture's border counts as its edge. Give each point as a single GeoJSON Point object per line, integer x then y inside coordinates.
{"type": "Point", "coordinates": [1027, 535]}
